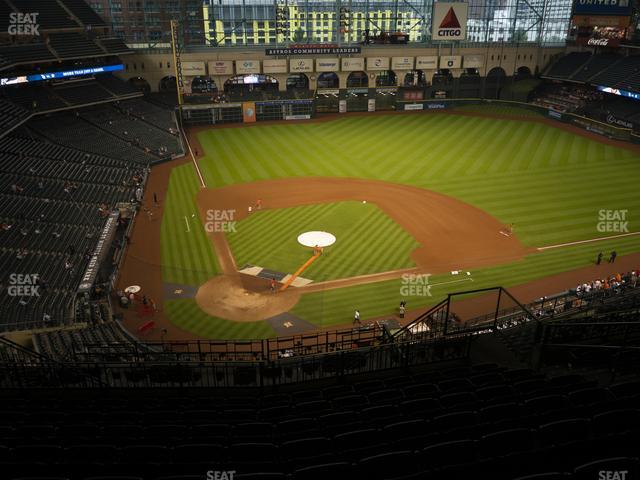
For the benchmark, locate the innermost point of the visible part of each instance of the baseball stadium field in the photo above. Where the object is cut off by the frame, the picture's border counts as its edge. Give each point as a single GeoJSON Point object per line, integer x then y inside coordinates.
{"type": "Point", "coordinates": [405, 195]}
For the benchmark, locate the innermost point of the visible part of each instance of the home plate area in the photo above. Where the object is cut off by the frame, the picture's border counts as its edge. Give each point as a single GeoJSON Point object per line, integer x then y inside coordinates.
{"type": "Point", "coordinates": [288, 324]}
{"type": "Point", "coordinates": [272, 274]}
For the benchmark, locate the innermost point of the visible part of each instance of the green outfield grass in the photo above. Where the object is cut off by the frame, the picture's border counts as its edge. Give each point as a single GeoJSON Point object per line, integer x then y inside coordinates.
{"type": "Point", "coordinates": [547, 181]}
{"type": "Point", "coordinates": [269, 239]}
{"type": "Point", "coordinates": [334, 307]}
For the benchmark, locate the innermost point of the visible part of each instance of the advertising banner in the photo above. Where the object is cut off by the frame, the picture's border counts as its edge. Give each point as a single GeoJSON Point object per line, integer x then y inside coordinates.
{"type": "Point", "coordinates": [473, 61]}
{"type": "Point", "coordinates": [600, 21]}
{"type": "Point", "coordinates": [352, 64]}
{"type": "Point", "coordinates": [299, 65]}
{"type": "Point", "coordinates": [378, 63]}
{"type": "Point", "coordinates": [342, 106]}
{"type": "Point", "coordinates": [427, 63]}
{"type": "Point", "coordinates": [249, 112]}
{"type": "Point", "coordinates": [618, 122]}
{"type": "Point", "coordinates": [274, 66]}
{"type": "Point", "coordinates": [451, 61]}
{"type": "Point", "coordinates": [402, 63]}
{"type": "Point", "coordinates": [247, 66]}
{"type": "Point", "coordinates": [449, 21]}
{"type": "Point", "coordinates": [413, 106]}
{"type": "Point", "coordinates": [221, 67]}
{"type": "Point", "coordinates": [371, 105]}
{"type": "Point", "coordinates": [327, 64]}
{"type": "Point", "coordinates": [193, 69]}
{"type": "Point", "coordinates": [602, 7]}
{"type": "Point", "coordinates": [313, 50]}
{"type": "Point", "coordinates": [99, 253]}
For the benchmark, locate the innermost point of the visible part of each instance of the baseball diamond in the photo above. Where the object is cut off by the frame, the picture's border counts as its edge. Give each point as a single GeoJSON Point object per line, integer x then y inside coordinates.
{"type": "Point", "coordinates": [451, 193]}
{"type": "Point", "coordinates": [305, 240]}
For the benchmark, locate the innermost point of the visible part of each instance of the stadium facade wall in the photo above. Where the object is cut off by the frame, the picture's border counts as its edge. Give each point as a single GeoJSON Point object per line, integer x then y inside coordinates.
{"type": "Point", "coordinates": [153, 66]}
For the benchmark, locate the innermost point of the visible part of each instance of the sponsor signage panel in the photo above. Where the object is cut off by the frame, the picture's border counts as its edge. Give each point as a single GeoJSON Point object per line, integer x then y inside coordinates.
{"type": "Point", "coordinates": [352, 64]}
{"type": "Point", "coordinates": [274, 66]}
{"type": "Point", "coordinates": [622, 93]}
{"type": "Point", "coordinates": [451, 61]}
{"type": "Point", "coordinates": [600, 21]}
{"type": "Point", "coordinates": [327, 64]}
{"type": "Point", "coordinates": [378, 63]}
{"type": "Point", "coordinates": [301, 65]}
{"type": "Point", "coordinates": [402, 63]}
{"type": "Point", "coordinates": [618, 122]}
{"type": "Point", "coordinates": [473, 61]}
{"type": "Point", "coordinates": [427, 63]}
{"type": "Point", "coordinates": [221, 67]}
{"type": "Point", "coordinates": [413, 106]}
{"type": "Point", "coordinates": [249, 112]}
{"type": "Point", "coordinates": [192, 69]}
{"type": "Point", "coordinates": [328, 91]}
{"type": "Point", "coordinates": [247, 66]}
{"type": "Point", "coordinates": [602, 7]}
{"type": "Point", "coordinates": [60, 74]}
{"type": "Point", "coordinates": [314, 50]}
{"type": "Point", "coordinates": [99, 253]}
{"type": "Point", "coordinates": [599, 42]}
{"type": "Point", "coordinates": [449, 21]}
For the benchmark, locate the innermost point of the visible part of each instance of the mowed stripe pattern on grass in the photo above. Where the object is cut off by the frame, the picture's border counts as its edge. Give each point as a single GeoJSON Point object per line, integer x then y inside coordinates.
{"type": "Point", "coordinates": [187, 255]}
{"type": "Point", "coordinates": [334, 307]}
{"type": "Point", "coordinates": [186, 314]}
{"type": "Point", "coordinates": [368, 241]}
{"type": "Point", "coordinates": [547, 181]}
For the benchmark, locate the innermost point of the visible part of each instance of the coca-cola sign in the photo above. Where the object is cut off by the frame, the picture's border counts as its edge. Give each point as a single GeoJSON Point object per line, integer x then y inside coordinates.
{"type": "Point", "coordinates": [600, 42]}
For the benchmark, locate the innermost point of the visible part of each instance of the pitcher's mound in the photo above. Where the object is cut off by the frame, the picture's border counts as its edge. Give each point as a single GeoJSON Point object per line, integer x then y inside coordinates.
{"type": "Point", "coordinates": [224, 296]}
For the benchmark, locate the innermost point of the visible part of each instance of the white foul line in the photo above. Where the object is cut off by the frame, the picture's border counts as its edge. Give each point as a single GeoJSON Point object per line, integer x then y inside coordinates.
{"type": "Point", "coordinates": [187, 222]}
{"type": "Point", "coordinates": [468, 279]}
{"type": "Point", "coordinates": [589, 241]}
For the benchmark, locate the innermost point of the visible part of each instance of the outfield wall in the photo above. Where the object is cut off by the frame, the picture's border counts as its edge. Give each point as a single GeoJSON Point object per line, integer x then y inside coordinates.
{"type": "Point", "coordinates": [589, 124]}
{"type": "Point", "coordinates": [368, 100]}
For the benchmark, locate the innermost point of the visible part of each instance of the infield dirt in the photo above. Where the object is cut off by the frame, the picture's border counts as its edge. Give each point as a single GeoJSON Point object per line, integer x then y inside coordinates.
{"type": "Point", "coordinates": [477, 239]}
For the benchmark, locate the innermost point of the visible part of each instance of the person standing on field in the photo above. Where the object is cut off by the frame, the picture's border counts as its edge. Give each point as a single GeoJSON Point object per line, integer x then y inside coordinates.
{"type": "Point", "coordinates": [356, 318]}
{"type": "Point", "coordinates": [599, 260]}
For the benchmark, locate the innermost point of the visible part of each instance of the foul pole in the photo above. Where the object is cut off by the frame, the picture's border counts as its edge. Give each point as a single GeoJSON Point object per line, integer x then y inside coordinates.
{"type": "Point", "coordinates": [177, 64]}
